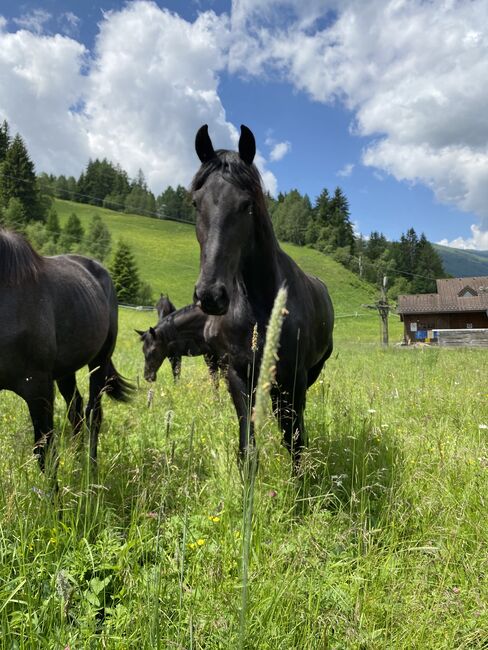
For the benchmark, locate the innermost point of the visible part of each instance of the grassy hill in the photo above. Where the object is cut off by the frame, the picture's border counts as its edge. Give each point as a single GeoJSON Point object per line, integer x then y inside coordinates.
{"type": "Point", "coordinates": [463, 263]}
{"type": "Point", "coordinates": [167, 255]}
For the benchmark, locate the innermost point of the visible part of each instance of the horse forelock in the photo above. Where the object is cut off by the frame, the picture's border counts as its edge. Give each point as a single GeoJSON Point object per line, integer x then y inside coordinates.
{"type": "Point", "coordinates": [19, 262]}
{"type": "Point", "coordinates": [234, 170]}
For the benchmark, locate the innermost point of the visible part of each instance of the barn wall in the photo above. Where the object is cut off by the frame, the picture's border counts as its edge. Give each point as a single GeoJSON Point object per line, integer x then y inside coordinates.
{"type": "Point", "coordinates": [427, 322]}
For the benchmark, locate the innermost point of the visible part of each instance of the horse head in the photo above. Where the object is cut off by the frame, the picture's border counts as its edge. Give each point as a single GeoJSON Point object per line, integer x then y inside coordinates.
{"type": "Point", "coordinates": [224, 194]}
{"type": "Point", "coordinates": [154, 350]}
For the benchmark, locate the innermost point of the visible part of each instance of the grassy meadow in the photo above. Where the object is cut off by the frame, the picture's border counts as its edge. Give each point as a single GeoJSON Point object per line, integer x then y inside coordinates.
{"type": "Point", "coordinates": [382, 543]}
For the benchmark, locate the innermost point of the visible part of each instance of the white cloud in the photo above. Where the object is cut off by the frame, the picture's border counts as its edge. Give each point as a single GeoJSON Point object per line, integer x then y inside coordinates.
{"type": "Point", "coordinates": [40, 80]}
{"type": "Point", "coordinates": [33, 21]}
{"type": "Point", "coordinates": [346, 170]}
{"type": "Point", "coordinates": [151, 82]}
{"type": "Point", "coordinates": [414, 74]}
{"type": "Point", "coordinates": [69, 23]}
{"type": "Point", "coordinates": [279, 151]}
{"type": "Point", "coordinates": [478, 241]}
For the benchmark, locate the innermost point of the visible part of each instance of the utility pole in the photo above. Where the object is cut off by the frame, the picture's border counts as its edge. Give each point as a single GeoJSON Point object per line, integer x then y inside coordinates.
{"type": "Point", "coordinates": [383, 309]}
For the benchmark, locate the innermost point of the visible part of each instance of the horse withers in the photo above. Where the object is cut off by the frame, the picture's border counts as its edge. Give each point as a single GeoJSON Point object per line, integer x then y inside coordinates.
{"type": "Point", "coordinates": [242, 268]}
{"type": "Point", "coordinates": [57, 314]}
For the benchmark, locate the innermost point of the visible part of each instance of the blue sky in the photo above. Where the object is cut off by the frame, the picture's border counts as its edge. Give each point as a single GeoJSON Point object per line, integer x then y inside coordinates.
{"type": "Point", "coordinates": [385, 98]}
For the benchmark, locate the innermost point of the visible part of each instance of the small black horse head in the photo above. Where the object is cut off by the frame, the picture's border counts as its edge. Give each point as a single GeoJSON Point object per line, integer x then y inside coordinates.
{"type": "Point", "coordinates": [226, 191]}
{"type": "Point", "coordinates": [154, 350]}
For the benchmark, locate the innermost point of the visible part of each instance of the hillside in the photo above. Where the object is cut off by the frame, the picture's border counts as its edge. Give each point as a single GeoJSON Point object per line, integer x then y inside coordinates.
{"type": "Point", "coordinates": [167, 255]}
{"type": "Point", "coordinates": [462, 263]}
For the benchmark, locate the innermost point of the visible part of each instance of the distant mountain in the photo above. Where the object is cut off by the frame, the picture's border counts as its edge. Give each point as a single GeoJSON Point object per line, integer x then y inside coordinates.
{"type": "Point", "coordinates": [462, 263]}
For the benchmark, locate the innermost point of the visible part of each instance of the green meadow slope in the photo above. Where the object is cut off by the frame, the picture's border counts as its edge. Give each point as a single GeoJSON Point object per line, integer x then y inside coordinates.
{"type": "Point", "coordinates": [167, 255]}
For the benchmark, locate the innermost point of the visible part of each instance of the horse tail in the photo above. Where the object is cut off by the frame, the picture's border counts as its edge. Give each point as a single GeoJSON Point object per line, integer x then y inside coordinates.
{"type": "Point", "coordinates": [117, 387]}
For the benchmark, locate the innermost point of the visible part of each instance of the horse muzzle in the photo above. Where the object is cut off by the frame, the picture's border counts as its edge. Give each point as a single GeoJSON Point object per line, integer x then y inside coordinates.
{"type": "Point", "coordinates": [213, 300]}
{"type": "Point", "coordinates": [150, 375]}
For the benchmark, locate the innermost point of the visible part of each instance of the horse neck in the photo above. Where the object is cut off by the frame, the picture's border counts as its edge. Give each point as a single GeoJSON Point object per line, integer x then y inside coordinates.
{"type": "Point", "coordinates": [259, 265]}
{"type": "Point", "coordinates": [180, 327]}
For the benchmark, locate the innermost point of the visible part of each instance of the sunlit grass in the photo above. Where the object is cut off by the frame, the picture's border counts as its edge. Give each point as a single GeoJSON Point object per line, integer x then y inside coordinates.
{"type": "Point", "coordinates": [382, 544]}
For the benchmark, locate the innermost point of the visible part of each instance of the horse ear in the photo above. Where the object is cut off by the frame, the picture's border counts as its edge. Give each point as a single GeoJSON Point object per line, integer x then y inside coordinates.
{"type": "Point", "coordinates": [141, 334]}
{"type": "Point", "coordinates": [247, 145]}
{"type": "Point", "coordinates": [203, 144]}
{"type": "Point", "coordinates": [152, 332]}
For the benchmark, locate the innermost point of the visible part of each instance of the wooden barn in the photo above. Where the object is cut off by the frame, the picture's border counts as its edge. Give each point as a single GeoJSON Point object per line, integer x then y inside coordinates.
{"type": "Point", "coordinates": [459, 304]}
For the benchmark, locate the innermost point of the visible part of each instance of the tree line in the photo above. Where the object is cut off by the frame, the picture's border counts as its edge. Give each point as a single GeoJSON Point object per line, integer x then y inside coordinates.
{"type": "Point", "coordinates": [412, 264]}
{"type": "Point", "coordinates": [26, 206]}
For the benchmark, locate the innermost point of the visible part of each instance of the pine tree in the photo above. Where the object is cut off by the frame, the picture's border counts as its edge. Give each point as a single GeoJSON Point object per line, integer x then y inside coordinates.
{"type": "Point", "coordinates": [52, 224]}
{"type": "Point", "coordinates": [98, 240]}
{"type": "Point", "coordinates": [14, 215]}
{"type": "Point", "coordinates": [322, 209]}
{"type": "Point", "coordinates": [291, 217]}
{"type": "Point", "coordinates": [19, 180]}
{"type": "Point", "coordinates": [125, 275]}
{"type": "Point", "coordinates": [375, 245]}
{"type": "Point", "coordinates": [4, 141]}
{"type": "Point", "coordinates": [428, 267]}
{"type": "Point", "coordinates": [71, 235]}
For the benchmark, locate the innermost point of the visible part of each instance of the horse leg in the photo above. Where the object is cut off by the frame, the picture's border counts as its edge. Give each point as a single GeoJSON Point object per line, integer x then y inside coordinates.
{"type": "Point", "coordinates": [176, 367]}
{"type": "Point", "coordinates": [94, 413]}
{"type": "Point", "coordinates": [213, 368]}
{"type": "Point", "coordinates": [242, 404]}
{"type": "Point", "coordinates": [288, 408]}
{"type": "Point", "coordinates": [74, 401]}
{"type": "Point", "coordinates": [39, 395]}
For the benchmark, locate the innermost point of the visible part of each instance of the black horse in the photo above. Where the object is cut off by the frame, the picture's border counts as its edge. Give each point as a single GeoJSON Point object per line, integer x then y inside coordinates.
{"type": "Point", "coordinates": [57, 314]}
{"type": "Point", "coordinates": [164, 307]}
{"type": "Point", "coordinates": [181, 333]}
{"type": "Point", "coordinates": [242, 268]}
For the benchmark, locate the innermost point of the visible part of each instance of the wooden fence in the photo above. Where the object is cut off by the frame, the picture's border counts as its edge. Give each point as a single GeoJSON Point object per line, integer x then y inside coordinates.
{"type": "Point", "coordinates": [469, 338]}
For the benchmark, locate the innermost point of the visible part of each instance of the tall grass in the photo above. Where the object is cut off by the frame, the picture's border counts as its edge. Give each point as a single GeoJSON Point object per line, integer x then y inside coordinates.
{"type": "Point", "coordinates": [383, 547]}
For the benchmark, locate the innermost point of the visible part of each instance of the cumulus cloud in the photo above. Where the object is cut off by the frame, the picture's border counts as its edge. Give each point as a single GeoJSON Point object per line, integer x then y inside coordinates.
{"type": "Point", "coordinates": [137, 99]}
{"type": "Point", "coordinates": [40, 81]}
{"type": "Point", "coordinates": [478, 240]}
{"type": "Point", "coordinates": [413, 73]}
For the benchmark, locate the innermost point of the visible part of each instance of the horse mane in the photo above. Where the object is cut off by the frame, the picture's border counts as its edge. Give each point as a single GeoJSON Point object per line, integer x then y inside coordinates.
{"type": "Point", "coordinates": [236, 171]}
{"type": "Point", "coordinates": [19, 262]}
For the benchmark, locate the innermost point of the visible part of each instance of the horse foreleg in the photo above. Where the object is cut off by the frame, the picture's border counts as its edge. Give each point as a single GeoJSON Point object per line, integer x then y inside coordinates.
{"type": "Point", "coordinates": [243, 405]}
{"type": "Point", "coordinates": [74, 401]}
{"type": "Point", "coordinates": [213, 369]}
{"type": "Point", "coordinates": [288, 408]}
{"type": "Point", "coordinates": [39, 395]}
{"type": "Point", "coordinates": [176, 367]}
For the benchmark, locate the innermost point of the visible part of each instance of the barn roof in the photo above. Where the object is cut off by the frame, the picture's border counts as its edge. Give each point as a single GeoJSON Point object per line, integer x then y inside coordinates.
{"type": "Point", "coordinates": [453, 295]}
